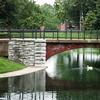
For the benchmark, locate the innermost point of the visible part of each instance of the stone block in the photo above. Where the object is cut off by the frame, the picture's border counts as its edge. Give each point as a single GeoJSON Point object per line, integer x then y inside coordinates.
{"type": "Point", "coordinates": [28, 51]}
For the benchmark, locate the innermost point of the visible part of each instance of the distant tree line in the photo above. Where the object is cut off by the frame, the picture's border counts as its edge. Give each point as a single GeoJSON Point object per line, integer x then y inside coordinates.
{"type": "Point", "coordinates": [27, 14]}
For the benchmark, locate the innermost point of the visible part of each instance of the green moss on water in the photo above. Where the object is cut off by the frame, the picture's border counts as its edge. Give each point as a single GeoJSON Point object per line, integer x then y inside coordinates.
{"type": "Point", "coordinates": [9, 66]}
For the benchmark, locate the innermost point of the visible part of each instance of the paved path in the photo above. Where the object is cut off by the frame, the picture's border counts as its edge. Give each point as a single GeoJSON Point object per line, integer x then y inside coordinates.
{"type": "Point", "coordinates": [24, 71]}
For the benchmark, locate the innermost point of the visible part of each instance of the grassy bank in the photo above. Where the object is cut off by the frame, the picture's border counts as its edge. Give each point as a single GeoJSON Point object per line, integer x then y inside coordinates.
{"type": "Point", "coordinates": [9, 66]}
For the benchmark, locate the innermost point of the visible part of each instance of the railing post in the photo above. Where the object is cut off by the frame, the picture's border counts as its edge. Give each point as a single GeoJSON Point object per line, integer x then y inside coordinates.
{"type": "Point", "coordinates": [78, 33]}
{"type": "Point", "coordinates": [84, 34]}
{"type": "Point", "coordinates": [91, 34]}
{"type": "Point", "coordinates": [40, 34]}
{"type": "Point", "coordinates": [32, 34]}
{"type": "Point", "coordinates": [57, 34]}
{"type": "Point", "coordinates": [9, 34]}
{"type": "Point", "coordinates": [20, 34]}
{"type": "Point", "coordinates": [36, 34]}
{"type": "Point", "coordinates": [66, 34]}
{"type": "Point", "coordinates": [44, 34]}
{"type": "Point", "coordinates": [97, 35]}
{"type": "Point", "coordinates": [53, 35]}
{"type": "Point", "coordinates": [71, 34]}
{"type": "Point", "coordinates": [23, 34]}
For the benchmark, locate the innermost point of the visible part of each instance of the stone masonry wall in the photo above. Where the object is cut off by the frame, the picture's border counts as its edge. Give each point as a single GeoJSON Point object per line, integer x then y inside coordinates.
{"type": "Point", "coordinates": [31, 52]}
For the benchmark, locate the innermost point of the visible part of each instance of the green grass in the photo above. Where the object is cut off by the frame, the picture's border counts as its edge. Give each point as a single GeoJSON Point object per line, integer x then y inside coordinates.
{"type": "Point", "coordinates": [9, 66]}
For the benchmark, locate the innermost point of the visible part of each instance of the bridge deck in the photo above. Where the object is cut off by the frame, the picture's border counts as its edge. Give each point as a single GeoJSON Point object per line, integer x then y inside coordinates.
{"type": "Point", "coordinates": [73, 41]}
{"type": "Point", "coordinates": [62, 40]}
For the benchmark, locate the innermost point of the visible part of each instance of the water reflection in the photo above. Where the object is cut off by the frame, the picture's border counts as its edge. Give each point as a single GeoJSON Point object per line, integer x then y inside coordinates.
{"type": "Point", "coordinates": [70, 75]}
{"type": "Point", "coordinates": [54, 95]}
{"type": "Point", "coordinates": [74, 63]}
{"type": "Point", "coordinates": [26, 87]}
{"type": "Point", "coordinates": [78, 95]}
{"type": "Point", "coordinates": [78, 68]}
{"type": "Point", "coordinates": [74, 75]}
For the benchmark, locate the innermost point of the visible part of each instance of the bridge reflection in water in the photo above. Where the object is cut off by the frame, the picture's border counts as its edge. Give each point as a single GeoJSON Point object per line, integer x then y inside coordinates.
{"type": "Point", "coordinates": [77, 69]}
{"type": "Point", "coordinates": [83, 58]}
{"type": "Point", "coordinates": [70, 75]}
{"type": "Point", "coordinates": [27, 87]}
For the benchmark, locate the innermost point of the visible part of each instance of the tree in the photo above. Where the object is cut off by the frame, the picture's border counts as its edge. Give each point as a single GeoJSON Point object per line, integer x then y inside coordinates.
{"type": "Point", "coordinates": [33, 20]}
{"type": "Point", "coordinates": [20, 14]}
{"type": "Point", "coordinates": [7, 10]}
{"type": "Point", "coordinates": [67, 11]}
{"type": "Point", "coordinates": [90, 20]}
{"type": "Point", "coordinates": [97, 24]}
{"type": "Point", "coordinates": [59, 10]}
{"type": "Point", "coordinates": [50, 19]}
{"type": "Point", "coordinates": [28, 14]}
{"type": "Point", "coordinates": [74, 10]}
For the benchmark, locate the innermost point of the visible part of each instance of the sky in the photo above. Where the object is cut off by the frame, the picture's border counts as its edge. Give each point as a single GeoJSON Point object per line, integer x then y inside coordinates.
{"type": "Point", "coordinates": [41, 2]}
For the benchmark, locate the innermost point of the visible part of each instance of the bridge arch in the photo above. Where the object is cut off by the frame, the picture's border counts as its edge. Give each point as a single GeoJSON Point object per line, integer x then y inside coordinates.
{"type": "Point", "coordinates": [55, 47]}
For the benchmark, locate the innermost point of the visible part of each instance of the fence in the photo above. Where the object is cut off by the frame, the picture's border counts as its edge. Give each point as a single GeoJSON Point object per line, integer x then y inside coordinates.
{"type": "Point", "coordinates": [50, 34]}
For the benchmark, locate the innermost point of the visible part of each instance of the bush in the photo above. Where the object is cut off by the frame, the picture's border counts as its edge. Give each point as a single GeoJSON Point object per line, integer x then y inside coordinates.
{"type": "Point", "coordinates": [90, 20]}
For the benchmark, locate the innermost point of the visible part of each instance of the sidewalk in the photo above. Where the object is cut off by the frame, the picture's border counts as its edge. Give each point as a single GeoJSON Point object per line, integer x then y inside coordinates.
{"type": "Point", "coordinates": [24, 71]}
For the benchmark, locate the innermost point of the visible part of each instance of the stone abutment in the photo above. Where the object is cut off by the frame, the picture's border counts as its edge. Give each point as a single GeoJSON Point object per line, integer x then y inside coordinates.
{"type": "Point", "coordinates": [31, 52]}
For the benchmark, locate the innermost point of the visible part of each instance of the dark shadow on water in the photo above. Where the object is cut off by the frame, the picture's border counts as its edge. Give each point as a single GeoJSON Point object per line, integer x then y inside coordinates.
{"type": "Point", "coordinates": [56, 84]}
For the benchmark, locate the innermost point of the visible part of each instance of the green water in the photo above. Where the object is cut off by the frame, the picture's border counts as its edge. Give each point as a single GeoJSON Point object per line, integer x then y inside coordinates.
{"type": "Point", "coordinates": [71, 75]}
{"type": "Point", "coordinates": [81, 65]}
{"type": "Point", "coordinates": [75, 74]}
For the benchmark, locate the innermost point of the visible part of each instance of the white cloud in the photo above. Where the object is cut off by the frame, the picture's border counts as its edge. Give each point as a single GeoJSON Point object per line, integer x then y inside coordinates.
{"type": "Point", "coordinates": [41, 2]}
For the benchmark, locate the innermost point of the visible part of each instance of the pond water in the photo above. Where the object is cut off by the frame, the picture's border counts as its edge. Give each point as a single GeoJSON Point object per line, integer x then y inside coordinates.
{"type": "Point", "coordinates": [71, 75]}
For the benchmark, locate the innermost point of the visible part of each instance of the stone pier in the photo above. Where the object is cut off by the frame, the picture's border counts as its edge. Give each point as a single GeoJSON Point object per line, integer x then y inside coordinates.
{"type": "Point", "coordinates": [31, 52]}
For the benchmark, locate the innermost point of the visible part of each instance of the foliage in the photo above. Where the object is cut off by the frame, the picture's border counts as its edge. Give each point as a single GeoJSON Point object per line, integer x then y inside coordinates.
{"type": "Point", "coordinates": [27, 14]}
{"type": "Point", "coordinates": [51, 21]}
{"type": "Point", "coordinates": [59, 10]}
{"type": "Point", "coordinates": [35, 21]}
{"type": "Point", "coordinates": [97, 24]}
{"type": "Point", "coordinates": [24, 10]}
{"type": "Point", "coordinates": [79, 10]}
{"type": "Point", "coordinates": [20, 14]}
{"type": "Point", "coordinates": [66, 9]}
{"type": "Point", "coordinates": [90, 20]}
{"type": "Point", "coordinates": [7, 11]}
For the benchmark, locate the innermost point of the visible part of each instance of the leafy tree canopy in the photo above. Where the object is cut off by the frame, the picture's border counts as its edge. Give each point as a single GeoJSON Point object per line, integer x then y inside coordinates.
{"type": "Point", "coordinates": [78, 10]}
{"type": "Point", "coordinates": [7, 13]}
{"type": "Point", "coordinates": [20, 14]}
{"type": "Point", "coordinates": [51, 21]}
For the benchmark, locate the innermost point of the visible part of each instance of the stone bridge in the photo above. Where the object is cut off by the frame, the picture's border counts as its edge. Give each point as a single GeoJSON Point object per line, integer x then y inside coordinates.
{"type": "Point", "coordinates": [35, 52]}
{"type": "Point", "coordinates": [31, 52]}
